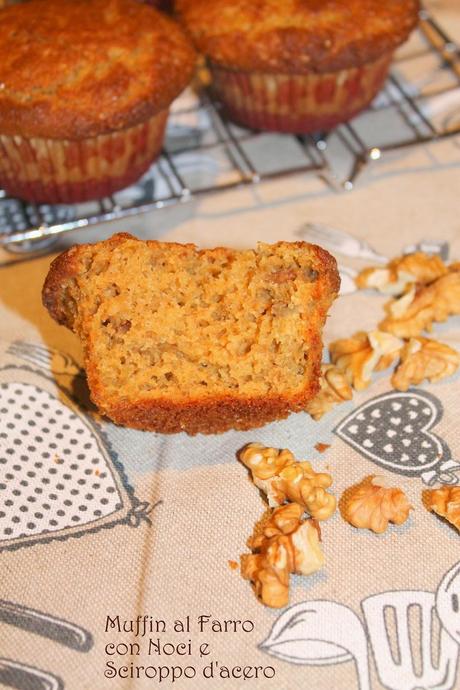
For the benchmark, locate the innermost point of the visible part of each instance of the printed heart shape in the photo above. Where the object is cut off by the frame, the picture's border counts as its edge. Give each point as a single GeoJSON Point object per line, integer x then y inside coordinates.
{"type": "Point", "coordinates": [414, 449]}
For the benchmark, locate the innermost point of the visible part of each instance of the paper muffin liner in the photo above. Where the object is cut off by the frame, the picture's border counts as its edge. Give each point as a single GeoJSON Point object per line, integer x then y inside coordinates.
{"type": "Point", "coordinates": [297, 103]}
{"type": "Point", "coordinates": [68, 171]}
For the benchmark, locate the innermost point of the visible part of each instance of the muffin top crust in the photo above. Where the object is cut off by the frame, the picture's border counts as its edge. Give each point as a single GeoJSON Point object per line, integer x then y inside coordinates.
{"type": "Point", "coordinates": [78, 68]}
{"type": "Point", "coordinates": [297, 35]}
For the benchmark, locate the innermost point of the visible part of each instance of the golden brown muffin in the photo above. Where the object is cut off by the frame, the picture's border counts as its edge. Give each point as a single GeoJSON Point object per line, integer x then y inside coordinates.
{"type": "Point", "coordinates": [86, 86]}
{"type": "Point", "coordinates": [305, 63]}
{"type": "Point", "coordinates": [181, 339]}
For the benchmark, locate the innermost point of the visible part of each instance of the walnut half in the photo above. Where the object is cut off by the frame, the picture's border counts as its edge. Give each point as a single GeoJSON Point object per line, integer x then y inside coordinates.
{"type": "Point", "coordinates": [423, 358]}
{"type": "Point", "coordinates": [362, 354]}
{"type": "Point", "coordinates": [445, 502]}
{"type": "Point", "coordinates": [282, 478]}
{"type": "Point", "coordinates": [283, 543]}
{"type": "Point", "coordinates": [418, 268]}
{"type": "Point", "coordinates": [334, 389]}
{"type": "Point", "coordinates": [372, 505]}
{"type": "Point", "coordinates": [421, 306]}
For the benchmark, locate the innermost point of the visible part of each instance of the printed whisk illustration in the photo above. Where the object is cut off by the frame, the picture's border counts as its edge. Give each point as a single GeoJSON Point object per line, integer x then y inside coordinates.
{"type": "Point", "coordinates": [414, 636]}
{"type": "Point", "coordinates": [58, 476]}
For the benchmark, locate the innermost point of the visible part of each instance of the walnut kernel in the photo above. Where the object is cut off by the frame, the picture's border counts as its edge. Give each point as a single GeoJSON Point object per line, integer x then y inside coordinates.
{"type": "Point", "coordinates": [446, 503]}
{"type": "Point", "coordinates": [420, 307]}
{"type": "Point", "coordinates": [369, 505]}
{"type": "Point", "coordinates": [334, 389]}
{"type": "Point", "coordinates": [422, 358]}
{"type": "Point", "coordinates": [359, 356]}
{"type": "Point", "coordinates": [393, 279]}
{"type": "Point", "coordinates": [282, 478]}
{"type": "Point", "coordinates": [283, 544]}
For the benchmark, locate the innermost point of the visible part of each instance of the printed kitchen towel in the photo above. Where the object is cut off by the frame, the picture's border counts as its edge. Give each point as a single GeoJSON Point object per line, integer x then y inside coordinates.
{"type": "Point", "coordinates": [119, 547]}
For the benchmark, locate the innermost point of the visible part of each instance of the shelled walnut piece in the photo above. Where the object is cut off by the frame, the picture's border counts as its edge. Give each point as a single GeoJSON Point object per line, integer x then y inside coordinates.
{"type": "Point", "coordinates": [362, 354]}
{"type": "Point", "coordinates": [356, 358]}
{"type": "Point", "coordinates": [283, 544]}
{"type": "Point", "coordinates": [334, 389]}
{"type": "Point", "coordinates": [392, 279]}
{"type": "Point", "coordinates": [445, 502]}
{"type": "Point", "coordinates": [372, 505]}
{"type": "Point", "coordinates": [421, 306]}
{"type": "Point", "coordinates": [423, 358]}
{"type": "Point", "coordinates": [282, 478]}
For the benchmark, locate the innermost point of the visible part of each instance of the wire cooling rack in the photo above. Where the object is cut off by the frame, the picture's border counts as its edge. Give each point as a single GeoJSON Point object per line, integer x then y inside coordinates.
{"type": "Point", "coordinates": [204, 153]}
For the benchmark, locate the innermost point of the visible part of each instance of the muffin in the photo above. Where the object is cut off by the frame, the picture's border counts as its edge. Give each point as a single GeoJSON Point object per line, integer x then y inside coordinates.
{"type": "Point", "coordinates": [177, 338]}
{"type": "Point", "coordinates": [298, 65]}
{"type": "Point", "coordinates": [85, 87]}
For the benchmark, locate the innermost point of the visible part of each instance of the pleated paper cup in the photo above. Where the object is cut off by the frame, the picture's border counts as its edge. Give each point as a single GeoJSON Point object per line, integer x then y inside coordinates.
{"type": "Point", "coordinates": [297, 103]}
{"type": "Point", "coordinates": [68, 171]}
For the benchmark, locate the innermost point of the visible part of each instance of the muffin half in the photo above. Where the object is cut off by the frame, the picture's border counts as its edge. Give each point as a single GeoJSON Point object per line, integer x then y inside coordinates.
{"type": "Point", "coordinates": [85, 87]}
{"type": "Point", "coordinates": [298, 65]}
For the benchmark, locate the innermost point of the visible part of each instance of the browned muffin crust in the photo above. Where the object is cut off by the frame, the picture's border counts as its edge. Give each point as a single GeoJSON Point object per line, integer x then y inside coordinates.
{"type": "Point", "coordinates": [83, 267]}
{"type": "Point", "coordinates": [71, 69]}
{"type": "Point", "coordinates": [297, 36]}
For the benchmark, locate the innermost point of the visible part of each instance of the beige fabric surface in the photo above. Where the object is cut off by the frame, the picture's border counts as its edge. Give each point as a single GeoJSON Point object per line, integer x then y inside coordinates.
{"type": "Point", "coordinates": [179, 508]}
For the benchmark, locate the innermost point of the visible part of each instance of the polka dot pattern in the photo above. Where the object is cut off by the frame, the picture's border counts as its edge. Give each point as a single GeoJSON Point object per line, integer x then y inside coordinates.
{"type": "Point", "coordinates": [393, 429]}
{"type": "Point", "coordinates": [53, 474]}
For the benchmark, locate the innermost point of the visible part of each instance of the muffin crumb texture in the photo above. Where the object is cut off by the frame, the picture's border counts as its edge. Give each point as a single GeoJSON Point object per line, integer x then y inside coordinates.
{"type": "Point", "coordinates": [181, 339]}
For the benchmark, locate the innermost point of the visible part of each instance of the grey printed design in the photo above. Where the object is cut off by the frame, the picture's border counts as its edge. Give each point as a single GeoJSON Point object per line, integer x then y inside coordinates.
{"type": "Point", "coordinates": [24, 677]}
{"type": "Point", "coordinates": [394, 431]}
{"type": "Point", "coordinates": [49, 359]}
{"type": "Point", "coordinates": [45, 625]}
{"type": "Point", "coordinates": [59, 477]}
{"type": "Point", "coordinates": [402, 617]}
{"type": "Point", "coordinates": [320, 633]}
{"type": "Point", "coordinates": [409, 651]}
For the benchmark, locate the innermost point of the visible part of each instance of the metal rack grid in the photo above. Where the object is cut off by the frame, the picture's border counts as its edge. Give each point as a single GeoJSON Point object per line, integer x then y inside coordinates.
{"type": "Point", "coordinates": [412, 106]}
{"type": "Point", "coordinates": [204, 153]}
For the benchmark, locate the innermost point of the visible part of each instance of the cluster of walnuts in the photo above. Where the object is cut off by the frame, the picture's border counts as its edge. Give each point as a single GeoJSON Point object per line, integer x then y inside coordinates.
{"type": "Point", "coordinates": [424, 290]}
{"type": "Point", "coordinates": [287, 539]}
{"type": "Point", "coordinates": [284, 540]}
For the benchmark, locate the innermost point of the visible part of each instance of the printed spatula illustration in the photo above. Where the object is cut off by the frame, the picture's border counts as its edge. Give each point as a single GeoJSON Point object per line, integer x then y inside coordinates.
{"type": "Point", "coordinates": [431, 664]}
